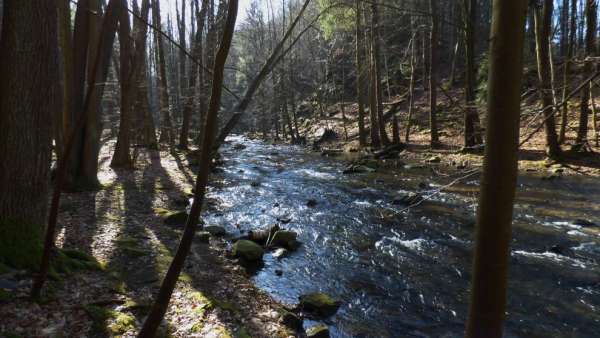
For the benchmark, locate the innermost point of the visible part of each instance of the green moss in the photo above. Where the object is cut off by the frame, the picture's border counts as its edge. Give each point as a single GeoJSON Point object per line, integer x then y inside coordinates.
{"type": "Point", "coordinates": [184, 277]}
{"type": "Point", "coordinates": [129, 246]}
{"type": "Point", "coordinates": [221, 332]}
{"type": "Point", "coordinates": [5, 295]}
{"type": "Point", "coordinates": [20, 243]}
{"type": "Point", "coordinates": [119, 322]}
{"type": "Point", "coordinates": [197, 327]}
{"type": "Point", "coordinates": [242, 333]}
{"type": "Point", "coordinates": [122, 323]}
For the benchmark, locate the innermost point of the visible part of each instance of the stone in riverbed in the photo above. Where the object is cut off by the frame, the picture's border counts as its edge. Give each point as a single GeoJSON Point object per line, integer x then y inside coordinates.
{"type": "Point", "coordinates": [583, 223]}
{"type": "Point", "coordinates": [311, 203]}
{"type": "Point", "coordinates": [407, 199]}
{"type": "Point", "coordinates": [215, 230]}
{"type": "Point", "coordinates": [358, 169]}
{"type": "Point", "coordinates": [286, 239]}
{"type": "Point", "coordinates": [318, 304]}
{"type": "Point", "coordinates": [248, 250]}
{"type": "Point", "coordinates": [291, 320]}
{"type": "Point", "coordinates": [318, 331]}
{"type": "Point", "coordinates": [203, 236]}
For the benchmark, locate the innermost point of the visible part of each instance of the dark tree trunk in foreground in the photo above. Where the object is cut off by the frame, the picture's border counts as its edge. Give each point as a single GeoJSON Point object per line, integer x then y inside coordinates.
{"type": "Point", "coordinates": [98, 70]}
{"type": "Point", "coordinates": [210, 129]}
{"type": "Point", "coordinates": [28, 90]}
{"type": "Point", "coordinates": [434, 141]}
{"type": "Point", "coordinates": [543, 26]}
{"type": "Point", "coordinates": [591, 7]}
{"type": "Point", "coordinates": [494, 215]}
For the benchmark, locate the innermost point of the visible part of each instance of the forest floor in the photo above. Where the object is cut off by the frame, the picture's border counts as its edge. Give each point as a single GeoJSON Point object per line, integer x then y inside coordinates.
{"type": "Point", "coordinates": [532, 157]}
{"type": "Point", "coordinates": [122, 226]}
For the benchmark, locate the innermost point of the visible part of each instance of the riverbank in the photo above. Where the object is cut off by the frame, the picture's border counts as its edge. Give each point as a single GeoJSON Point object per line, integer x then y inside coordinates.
{"type": "Point", "coordinates": [344, 122]}
{"type": "Point", "coordinates": [122, 227]}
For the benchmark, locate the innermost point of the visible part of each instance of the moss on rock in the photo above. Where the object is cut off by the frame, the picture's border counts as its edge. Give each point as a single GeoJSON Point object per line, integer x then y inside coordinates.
{"type": "Point", "coordinates": [319, 304]}
{"type": "Point", "coordinates": [248, 250]}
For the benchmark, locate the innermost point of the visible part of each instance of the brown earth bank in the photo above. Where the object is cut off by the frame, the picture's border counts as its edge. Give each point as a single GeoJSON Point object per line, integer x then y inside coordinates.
{"type": "Point", "coordinates": [122, 226]}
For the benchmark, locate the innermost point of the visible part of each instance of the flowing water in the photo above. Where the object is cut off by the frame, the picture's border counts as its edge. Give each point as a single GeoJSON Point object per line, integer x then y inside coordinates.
{"type": "Point", "coordinates": [406, 273]}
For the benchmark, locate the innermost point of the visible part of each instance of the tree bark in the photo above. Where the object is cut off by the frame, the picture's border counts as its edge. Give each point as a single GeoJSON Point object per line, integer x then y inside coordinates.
{"type": "Point", "coordinates": [543, 26]}
{"type": "Point", "coordinates": [166, 290]}
{"type": "Point", "coordinates": [376, 60]}
{"type": "Point", "coordinates": [567, 71]}
{"type": "Point", "coordinates": [360, 79]}
{"type": "Point", "coordinates": [434, 141]}
{"type": "Point", "coordinates": [472, 136]}
{"type": "Point", "coordinates": [28, 94]}
{"type": "Point", "coordinates": [591, 7]}
{"type": "Point", "coordinates": [166, 127]}
{"type": "Point", "coordinates": [496, 198]}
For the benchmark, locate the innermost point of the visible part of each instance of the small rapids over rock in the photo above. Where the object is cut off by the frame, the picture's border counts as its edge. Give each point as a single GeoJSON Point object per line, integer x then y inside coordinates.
{"type": "Point", "coordinates": [402, 272]}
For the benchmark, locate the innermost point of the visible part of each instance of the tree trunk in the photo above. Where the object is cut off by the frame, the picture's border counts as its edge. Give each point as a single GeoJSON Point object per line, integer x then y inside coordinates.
{"type": "Point", "coordinates": [166, 126]}
{"type": "Point", "coordinates": [472, 136]}
{"type": "Point", "coordinates": [98, 72]}
{"type": "Point", "coordinates": [434, 141]}
{"type": "Point", "coordinates": [196, 70]}
{"type": "Point", "coordinates": [28, 94]}
{"type": "Point", "coordinates": [567, 71]}
{"type": "Point", "coordinates": [591, 7]}
{"type": "Point", "coordinates": [360, 78]}
{"type": "Point", "coordinates": [411, 86]}
{"type": "Point", "coordinates": [166, 290]}
{"type": "Point", "coordinates": [543, 26]}
{"type": "Point", "coordinates": [376, 60]}
{"type": "Point", "coordinates": [496, 198]}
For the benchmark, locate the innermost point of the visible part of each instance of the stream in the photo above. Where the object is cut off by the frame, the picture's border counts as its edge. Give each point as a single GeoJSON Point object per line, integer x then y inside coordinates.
{"type": "Point", "coordinates": [406, 273]}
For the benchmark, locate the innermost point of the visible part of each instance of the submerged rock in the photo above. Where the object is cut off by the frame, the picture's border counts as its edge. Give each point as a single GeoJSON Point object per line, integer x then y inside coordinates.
{"type": "Point", "coordinates": [238, 146]}
{"type": "Point", "coordinates": [318, 331]}
{"type": "Point", "coordinates": [318, 304]}
{"type": "Point", "coordinates": [291, 320]}
{"type": "Point", "coordinates": [280, 253]}
{"type": "Point", "coordinates": [583, 223]}
{"type": "Point", "coordinates": [248, 250]}
{"type": "Point", "coordinates": [358, 169]}
{"type": "Point", "coordinates": [311, 203]}
{"type": "Point", "coordinates": [203, 236]}
{"type": "Point", "coordinates": [286, 239]}
{"type": "Point", "coordinates": [407, 199]}
{"type": "Point", "coordinates": [215, 230]}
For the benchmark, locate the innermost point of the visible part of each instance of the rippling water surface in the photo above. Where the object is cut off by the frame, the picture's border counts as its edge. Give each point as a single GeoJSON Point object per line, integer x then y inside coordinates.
{"type": "Point", "coordinates": [406, 273]}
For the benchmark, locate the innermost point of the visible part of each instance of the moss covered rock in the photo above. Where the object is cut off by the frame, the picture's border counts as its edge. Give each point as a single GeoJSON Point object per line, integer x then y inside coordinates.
{"type": "Point", "coordinates": [319, 304]}
{"type": "Point", "coordinates": [248, 250]}
{"type": "Point", "coordinates": [215, 230]}
{"type": "Point", "coordinates": [318, 331]}
{"type": "Point", "coordinates": [286, 239]}
{"type": "Point", "coordinates": [203, 236]}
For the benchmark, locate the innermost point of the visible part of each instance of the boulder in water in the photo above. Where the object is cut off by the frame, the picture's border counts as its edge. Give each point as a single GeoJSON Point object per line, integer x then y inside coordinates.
{"type": "Point", "coordinates": [311, 203]}
{"type": "Point", "coordinates": [285, 239]}
{"type": "Point", "coordinates": [215, 230]}
{"type": "Point", "coordinates": [248, 250]}
{"type": "Point", "coordinates": [583, 223]}
{"type": "Point", "coordinates": [358, 169]}
{"type": "Point", "coordinates": [407, 199]}
{"type": "Point", "coordinates": [318, 331]}
{"type": "Point", "coordinates": [318, 304]}
{"type": "Point", "coordinates": [291, 320]}
{"type": "Point", "coordinates": [238, 146]}
{"type": "Point", "coordinates": [203, 236]}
